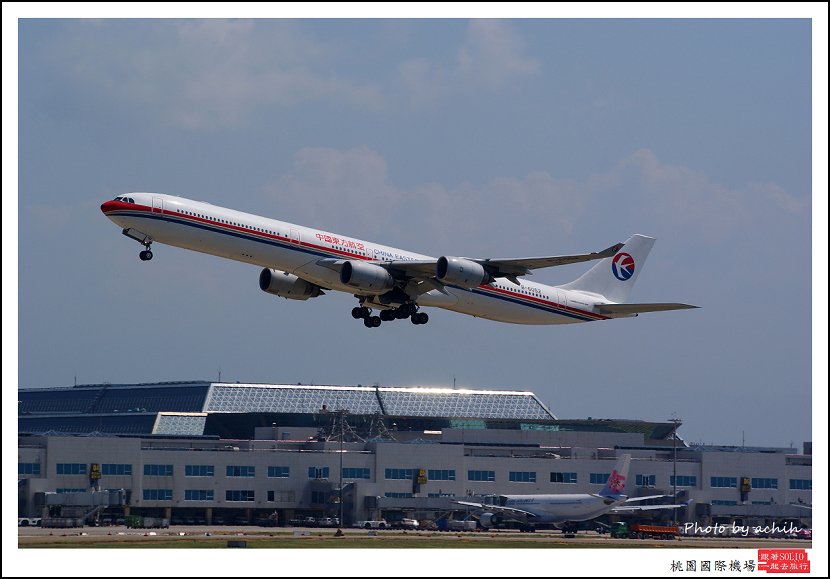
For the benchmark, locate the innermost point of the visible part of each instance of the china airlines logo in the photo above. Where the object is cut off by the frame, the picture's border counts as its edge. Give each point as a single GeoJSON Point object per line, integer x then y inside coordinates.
{"type": "Point", "coordinates": [616, 482]}
{"type": "Point", "coordinates": [623, 266]}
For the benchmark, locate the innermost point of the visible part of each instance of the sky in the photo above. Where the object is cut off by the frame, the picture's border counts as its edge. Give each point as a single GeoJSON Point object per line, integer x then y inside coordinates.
{"type": "Point", "coordinates": [484, 138]}
{"type": "Point", "coordinates": [474, 137]}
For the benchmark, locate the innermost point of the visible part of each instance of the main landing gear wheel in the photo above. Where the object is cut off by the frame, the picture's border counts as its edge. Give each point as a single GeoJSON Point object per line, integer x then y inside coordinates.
{"type": "Point", "coordinates": [145, 255]}
{"type": "Point", "coordinates": [420, 318]}
{"type": "Point", "coordinates": [371, 321]}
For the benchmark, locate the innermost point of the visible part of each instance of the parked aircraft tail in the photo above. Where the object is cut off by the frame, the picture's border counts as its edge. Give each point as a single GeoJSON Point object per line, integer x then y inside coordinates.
{"type": "Point", "coordinates": [613, 277]}
{"type": "Point", "coordinates": [617, 479]}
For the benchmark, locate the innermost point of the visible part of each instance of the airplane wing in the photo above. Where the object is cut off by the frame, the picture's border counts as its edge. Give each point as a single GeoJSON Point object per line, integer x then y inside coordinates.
{"type": "Point", "coordinates": [636, 508]}
{"type": "Point", "coordinates": [629, 309]}
{"type": "Point", "coordinates": [648, 498]}
{"type": "Point", "coordinates": [506, 267]}
{"type": "Point", "coordinates": [496, 509]}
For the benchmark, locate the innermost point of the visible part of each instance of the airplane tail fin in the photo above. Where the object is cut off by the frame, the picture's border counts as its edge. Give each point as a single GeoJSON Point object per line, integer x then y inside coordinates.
{"type": "Point", "coordinates": [613, 277]}
{"type": "Point", "coordinates": [617, 479]}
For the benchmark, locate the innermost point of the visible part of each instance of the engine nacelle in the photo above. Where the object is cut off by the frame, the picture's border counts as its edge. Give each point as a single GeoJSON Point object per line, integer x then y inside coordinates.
{"type": "Point", "coordinates": [287, 285]}
{"type": "Point", "coordinates": [489, 520]}
{"type": "Point", "coordinates": [461, 272]}
{"type": "Point", "coordinates": [366, 277]}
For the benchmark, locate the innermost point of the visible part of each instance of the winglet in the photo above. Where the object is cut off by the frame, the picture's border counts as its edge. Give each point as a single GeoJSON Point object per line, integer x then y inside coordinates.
{"type": "Point", "coordinates": [611, 251]}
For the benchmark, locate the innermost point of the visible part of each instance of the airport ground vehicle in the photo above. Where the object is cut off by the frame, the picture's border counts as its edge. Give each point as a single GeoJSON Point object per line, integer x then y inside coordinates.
{"type": "Point", "coordinates": [381, 524]}
{"type": "Point", "coordinates": [639, 531]}
{"type": "Point", "coordinates": [405, 524]}
{"type": "Point", "coordinates": [452, 525]}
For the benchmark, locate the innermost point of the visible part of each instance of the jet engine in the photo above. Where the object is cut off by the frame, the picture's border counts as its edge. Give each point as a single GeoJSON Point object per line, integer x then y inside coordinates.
{"type": "Point", "coordinates": [489, 520]}
{"type": "Point", "coordinates": [461, 272]}
{"type": "Point", "coordinates": [287, 285]}
{"type": "Point", "coordinates": [366, 277]}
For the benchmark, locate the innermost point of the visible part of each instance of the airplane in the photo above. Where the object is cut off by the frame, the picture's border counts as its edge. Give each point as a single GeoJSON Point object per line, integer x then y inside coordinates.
{"type": "Point", "coordinates": [300, 263]}
{"type": "Point", "coordinates": [565, 510]}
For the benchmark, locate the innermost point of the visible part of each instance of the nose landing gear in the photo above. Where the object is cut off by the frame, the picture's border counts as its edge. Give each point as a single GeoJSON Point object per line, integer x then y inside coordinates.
{"type": "Point", "coordinates": [143, 239]}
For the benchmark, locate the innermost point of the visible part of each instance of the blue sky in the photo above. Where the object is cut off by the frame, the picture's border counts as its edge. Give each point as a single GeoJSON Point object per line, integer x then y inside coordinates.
{"type": "Point", "coordinates": [486, 138]}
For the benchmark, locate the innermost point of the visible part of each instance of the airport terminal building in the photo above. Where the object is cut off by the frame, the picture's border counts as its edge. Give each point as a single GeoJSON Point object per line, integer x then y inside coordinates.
{"type": "Point", "coordinates": [222, 453]}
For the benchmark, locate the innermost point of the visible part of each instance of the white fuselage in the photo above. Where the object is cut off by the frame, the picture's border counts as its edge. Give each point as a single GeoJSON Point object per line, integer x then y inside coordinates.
{"type": "Point", "coordinates": [552, 509]}
{"type": "Point", "coordinates": [296, 249]}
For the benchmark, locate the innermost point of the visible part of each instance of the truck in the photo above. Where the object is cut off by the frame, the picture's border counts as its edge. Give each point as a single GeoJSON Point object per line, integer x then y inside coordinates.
{"type": "Point", "coordinates": [381, 524]}
{"type": "Point", "coordinates": [139, 522]}
{"type": "Point", "coordinates": [623, 530]}
{"type": "Point", "coordinates": [453, 525]}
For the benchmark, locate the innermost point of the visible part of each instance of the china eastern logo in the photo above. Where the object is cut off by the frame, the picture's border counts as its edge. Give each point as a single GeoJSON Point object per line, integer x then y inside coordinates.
{"type": "Point", "coordinates": [623, 266]}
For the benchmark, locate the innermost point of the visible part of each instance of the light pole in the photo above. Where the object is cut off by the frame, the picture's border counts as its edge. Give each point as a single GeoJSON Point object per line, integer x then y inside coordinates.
{"type": "Point", "coordinates": [340, 520]}
{"type": "Point", "coordinates": [676, 422]}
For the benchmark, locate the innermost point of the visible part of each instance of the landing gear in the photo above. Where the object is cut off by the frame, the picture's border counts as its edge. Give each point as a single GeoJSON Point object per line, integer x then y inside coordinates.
{"type": "Point", "coordinates": [143, 239]}
{"type": "Point", "coordinates": [361, 313]}
{"type": "Point", "coordinates": [420, 318]}
{"type": "Point", "coordinates": [407, 310]}
{"type": "Point", "coordinates": [371, 321]}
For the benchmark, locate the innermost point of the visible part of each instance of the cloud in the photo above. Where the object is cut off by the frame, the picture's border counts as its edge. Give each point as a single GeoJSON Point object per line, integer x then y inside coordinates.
{"type": "Point", "coordinates": [490, 57]}
{"type": "Point", "coordinates": [205, 74]}
{"type": "Point", "coordinates": [492, 54]}
{"type": "Point", "coordinates": [209, 74]}
{"type": "Point", "coordinates": [351, 191]}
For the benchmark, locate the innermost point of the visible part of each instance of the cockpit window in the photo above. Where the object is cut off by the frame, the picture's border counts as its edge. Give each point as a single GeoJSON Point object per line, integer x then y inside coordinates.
{"type": "Point", "coordinates": [130, 200]}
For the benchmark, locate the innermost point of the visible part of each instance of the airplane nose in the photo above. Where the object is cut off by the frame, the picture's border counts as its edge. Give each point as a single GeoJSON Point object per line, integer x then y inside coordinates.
{"type": "Point", "coordinates": [108, 206]}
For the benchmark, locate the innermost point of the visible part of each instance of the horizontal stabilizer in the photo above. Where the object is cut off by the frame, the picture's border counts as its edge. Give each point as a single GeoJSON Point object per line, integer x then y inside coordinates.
{"type": "Point", "coordinates": [632, 309]}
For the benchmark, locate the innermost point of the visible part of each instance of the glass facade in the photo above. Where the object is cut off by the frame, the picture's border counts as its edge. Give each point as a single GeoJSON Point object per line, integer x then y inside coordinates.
{"type": "Point", "coordinates": [431, 402]}
{"type": "Point", "coordinates": [362, 473]}
{"type": "Point", "coordinates": [117, 469]}
{"type": "Point", "coordinates": [440, 475]}
{"type": "Point", "coordinates": [28, 468]}
{"type": "Point", "coordinates": [724, 482]}
{"type": "Point", "coordinates": [481, 475]}
{"type": "Point", "coordinates": [798, 484]}
{"type": "Point", "coordinates": [180, 425]}
{"type": "Point", "coordinates": [646, 480]}
{"type": "Point", "coordinates": [563, 477]}
{"type": "Point", "coordinates": [278, 471]}
{"type": "Point", "coordinates": [198, 495]}
{"type": "Point", "coordinates": [300, 399]}
{"type": "Point", "coordinates": [684, 481]}
{"type": "Point", "coordinates": [158, 494]}
{"type": "Point", "coordinates": [239, 496]}
{"type": "Point", "coordinates": [71, 468]}
{"type": "Point", "coordinates": [158, 469]}
{"type": "Point", "coordinates": [398, 474]}
{"type": "Point", "coordinates": [765, 483]}
{"type": "Point", "coordinates": [198, 470]}
{"type": "Point", "coordinates": [462, 404]}
{"type": "Point", "coordinates": [244, 471]}
{"type": "Point", "coordinates": [318, 472]}
{"type": "Point", "coordinates": [522, 476]}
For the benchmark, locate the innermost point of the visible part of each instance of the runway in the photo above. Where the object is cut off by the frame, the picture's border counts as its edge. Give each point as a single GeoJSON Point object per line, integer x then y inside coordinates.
{"type": "Point", "coordinates": [298, 538]}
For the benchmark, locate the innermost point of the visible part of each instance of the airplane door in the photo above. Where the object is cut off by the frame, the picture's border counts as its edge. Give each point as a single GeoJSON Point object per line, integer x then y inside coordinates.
{"type": "Point", "coordinates": [560, 298]}
{"type": "Point", "coordinates": [295, 237]}
{"type": "Point", "coordinates": [158, 205]}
